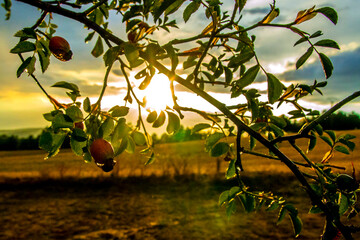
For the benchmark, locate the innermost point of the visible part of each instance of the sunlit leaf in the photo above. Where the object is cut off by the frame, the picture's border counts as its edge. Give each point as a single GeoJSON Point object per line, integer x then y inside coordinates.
{"type": "Point", "coordinates": [305, 15]}
{"type": "Point", "coordinates": [160, 120]}
{"type": "Point", "coordinates": [271, 15]}
{"type": "Point", "coordinates": [230, 171]}
{"type": "Point", "coordinates": [139, 138]}
{"type": "Point", "coordinates": [328, 155]}
{"type": "Point", "coordinates": [106, 128]}
{"type": "Point", "coordinates": [74, 113]}
{"type": "Point", "coordinates": [119, 111]}
{"type": "Point", "coordinates": [275, 88]}
{"type": "Point", "coordinates": [151, 117]}
{"type": "Point", "coordinates": [98, 49]}
{"type": "Point", "coordinates": [173, 124]}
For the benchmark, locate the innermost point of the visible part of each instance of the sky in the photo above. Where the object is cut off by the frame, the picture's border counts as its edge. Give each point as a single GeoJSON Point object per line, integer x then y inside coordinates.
{"type": "Point", "coordinates": [22, 103]}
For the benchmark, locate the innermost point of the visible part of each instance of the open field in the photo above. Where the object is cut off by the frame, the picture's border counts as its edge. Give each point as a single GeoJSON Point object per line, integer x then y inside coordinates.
{"type": "Point", "coordinates": [174, 198]}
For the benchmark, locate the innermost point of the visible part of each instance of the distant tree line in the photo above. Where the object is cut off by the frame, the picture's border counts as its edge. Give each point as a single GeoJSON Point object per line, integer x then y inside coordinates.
{"type": "Point", "coordinates": [336, 121]}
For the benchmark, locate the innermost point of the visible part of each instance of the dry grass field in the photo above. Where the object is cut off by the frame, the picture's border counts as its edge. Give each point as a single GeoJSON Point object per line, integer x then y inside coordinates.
{"type": "Point", "coordinates": [173, 198]}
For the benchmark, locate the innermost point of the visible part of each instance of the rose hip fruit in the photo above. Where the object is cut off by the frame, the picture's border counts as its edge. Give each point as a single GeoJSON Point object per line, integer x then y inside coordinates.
{"type": "Point", "coordinates": [101, 150]}
{"type": "Point", "coordinates": [60, 48]}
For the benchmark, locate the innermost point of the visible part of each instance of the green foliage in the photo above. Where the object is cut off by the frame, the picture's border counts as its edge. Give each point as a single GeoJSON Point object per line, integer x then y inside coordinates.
{"type": "Point", "coordinates": [221, 54]}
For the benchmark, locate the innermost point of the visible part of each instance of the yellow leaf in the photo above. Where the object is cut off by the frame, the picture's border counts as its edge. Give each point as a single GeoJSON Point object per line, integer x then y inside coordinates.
{"type": "Point", "coordinates": [271, 15]}
{"type": "Point", "coordinates": [305, 15]}
{"type": "Point", "coordinates": [209, 28]}
{"type": "Point", "coordinates": [327, 156]}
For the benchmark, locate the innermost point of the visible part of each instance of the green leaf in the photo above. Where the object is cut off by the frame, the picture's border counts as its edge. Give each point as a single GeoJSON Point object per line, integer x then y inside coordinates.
{"type": "Point", "coordinates": [330, 13]}
{"type": "Point", "coordinates": [139, 138]}
{"type": "Point", "coordinates": [230, 171]}
{"type": "Point", "coordinates": [275, 88]}
{"type": "Point", "coordinates": [78, 141]}
{"type": "Point", "coordinates": [304, 57]}
{"type": "Point", "coordinates": [315, 210]}
{"type": "Point", "coordinates": [51, 142]}
{"type": "Point", "coordinates": [173, 56]}
{"type": "Point", "coordinates": [331, 134]}
{"type": "Point", "coordinates": [297, 224]}
{"type": "Point", "coordinates": [143, 85]}
{"type": "Point", "coordinates": [151, 117]}
{"type": "Point", "coordinates": [301, 40]}
{"type": "Point", "coordinates": [342, 149]}
{"type": "Point", "coordinates": [74, 113]}
{"type": "Point", "coordinates": [26, 33]}
{"type": "Point", "coordinates": [158, 11]}
{"type": "Point", "coordinates": [190, 9]}
{"type": "Point", "coordinates": [327, 43]}
{"type": "Point", "coordinates": [312, 142]}
{"type": "Point", "coordinates": [173, 123]}
{"type": "Point", "coordinates": [228, 75]}
{"type": "Point", "coordinates": [151, 159]}
{"type": "Point", "coordinates": [200, 126]}
{"type": "Point", "coordinates": [248, 77]}
{"type": "Point", "coordinates": [44, 60]}
{"type": "Point", "coordinates": [224, 197]}
{"type": "Point", "coordinates": [174, 7]}
{"type": "Point", "coordinates": [327, 140]}
{"type": "Point", "coordinates": [160, 120]}
{"type": "Point", "coordinates": [326, 64]}
{"type": "Point", "coordinates": [79, 135]}
{"type": "Point", "coordinates": [111, 55]}
{"type": "Point", "coordinates": [130, 148]}
{"type": "Point", "coordinates": [89, 37]}
{"type": "Point", "coordinates": [106, 128]}
{"type": "Point", "coordinates": [278, 121]}
{"type": "Point", "coordinates": [87, 105]}
{"type": "Point", "coordinates": [131, 54]}
{"type": "Point", "coordinates": [316, 34]}
{"type": "Point", "coordinates": [24, 46]}
{"type": "Point", "coordinates": [248, 202]}
{"type": "Point", "coordinates": [62, 121]}
{"type": "Point", "coordinates": [31, 66]}
{"type": "Point", "coordinates": [230, 208]}
{"type": "Point", "coordinates": [23, 66]}
{"type": "Point", "coordinates": [98, 49]}
{"type": "Point", "coordinates": [252, 142]}
{"type": "Point", "coordinates": [212, 139]}
{"type": "Point", "coordinates": [272, 206]}
{"type": "Point", "coordinates": [219, 149]}
{"type": "Point", "coordinates": [209, 76]}
{"type": "Point", "coordinates": [119, 111]}
{"type": "Point", "coordinates": [71, 86]}
{"type": "Point", "coordinates": [343, 204]}
{"type": "Point", "coordinates": [282, 214]}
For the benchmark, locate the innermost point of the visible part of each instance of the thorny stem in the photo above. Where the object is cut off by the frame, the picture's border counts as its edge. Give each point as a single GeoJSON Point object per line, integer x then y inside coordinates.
{"type": "Point", "coordinates": [326, 114]}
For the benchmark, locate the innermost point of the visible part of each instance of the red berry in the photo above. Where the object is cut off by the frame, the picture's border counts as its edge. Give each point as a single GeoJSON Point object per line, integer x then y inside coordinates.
{"type": "Point", "coordinates": [60, 48]}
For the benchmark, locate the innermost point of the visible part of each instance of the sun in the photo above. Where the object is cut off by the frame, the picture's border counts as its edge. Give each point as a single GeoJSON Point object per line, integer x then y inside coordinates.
{"type": "Point", "coordinates": [158, 93]}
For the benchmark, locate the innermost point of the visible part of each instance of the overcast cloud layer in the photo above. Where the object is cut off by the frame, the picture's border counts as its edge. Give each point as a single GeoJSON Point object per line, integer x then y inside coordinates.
{"type": "Point", "coordinates": [22, 104]}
